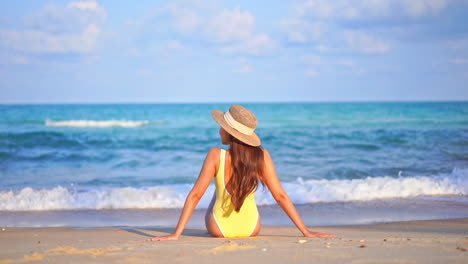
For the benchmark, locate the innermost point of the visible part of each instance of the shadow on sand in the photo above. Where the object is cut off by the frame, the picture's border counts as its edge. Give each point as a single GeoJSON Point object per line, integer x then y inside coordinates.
{"type": "Point", "coordinates": [166, 231]}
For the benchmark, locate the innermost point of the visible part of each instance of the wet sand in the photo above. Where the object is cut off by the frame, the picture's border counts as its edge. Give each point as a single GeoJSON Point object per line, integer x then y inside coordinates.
{"type": "Point", "coordinates": [434, 241]}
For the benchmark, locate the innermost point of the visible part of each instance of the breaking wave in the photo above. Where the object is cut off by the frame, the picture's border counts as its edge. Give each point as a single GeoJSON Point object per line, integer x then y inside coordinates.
{"type": "Point", "coordinates": [173, 196]}
{"type": "Point", "coordinates": [94, 123]}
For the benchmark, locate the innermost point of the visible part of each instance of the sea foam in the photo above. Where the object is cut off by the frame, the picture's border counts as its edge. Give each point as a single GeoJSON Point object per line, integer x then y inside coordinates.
{"type": "Point", "coordinates": [173, 196]}
{"type": "Point", "coordinates": [95, 123]}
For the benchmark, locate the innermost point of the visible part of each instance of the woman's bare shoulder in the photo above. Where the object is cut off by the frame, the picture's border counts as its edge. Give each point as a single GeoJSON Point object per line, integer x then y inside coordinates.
{"type": "Point", "coordinates": [266, 154]}
{"type": "Point", "coordinates": [213, 155]}
{"type": "Point", "coordinates": [212, 158]}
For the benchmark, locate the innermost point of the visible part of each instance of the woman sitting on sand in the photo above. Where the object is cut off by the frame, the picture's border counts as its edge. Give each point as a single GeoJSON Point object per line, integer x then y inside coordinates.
{"type": "Point", "coordinates": [237, 172]}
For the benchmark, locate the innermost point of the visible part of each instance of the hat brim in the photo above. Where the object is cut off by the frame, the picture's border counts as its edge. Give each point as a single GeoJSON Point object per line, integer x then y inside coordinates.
{"type": "Point", "coordinates": [252, 140]}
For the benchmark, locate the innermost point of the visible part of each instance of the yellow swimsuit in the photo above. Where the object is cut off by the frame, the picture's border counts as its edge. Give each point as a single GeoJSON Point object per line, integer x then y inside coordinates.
{"type": "Point", "coordinates": [230, 222]}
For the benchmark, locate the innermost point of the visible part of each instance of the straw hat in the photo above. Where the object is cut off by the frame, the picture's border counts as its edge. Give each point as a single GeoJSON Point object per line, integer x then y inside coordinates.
{"type": "Point", "coordinates": [239, 122]}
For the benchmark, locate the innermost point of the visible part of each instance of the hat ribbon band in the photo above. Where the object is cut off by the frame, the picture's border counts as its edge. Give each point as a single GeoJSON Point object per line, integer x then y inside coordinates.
{"type": "Point", "coordinates": [238, 126]}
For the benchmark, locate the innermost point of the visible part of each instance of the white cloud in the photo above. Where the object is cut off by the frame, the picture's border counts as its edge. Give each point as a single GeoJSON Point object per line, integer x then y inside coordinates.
{"type": "Point", "coordinates": [234, 31]}
{"type": "Point", "coordinates": [301, 31]}
{"type": "Point", "coordinates": [260, 44]}
{"type": "Point", "coordinates": [230, 31]}
{"type": "Point", "coordinates": [185, 20]}
{"type": "Point", "coordinates": [85, 5]}
{"type": "Point", "coordinates": [231, 25]}
{"type": "Point", "coordinates": [35, 41]}
{"type": "Point", "coordinates": [57, 29]}
{"type": "Point", "coordinates": [362, 42]}
{"type": "Point", "coordinates": [318, 22]}
{"type": "Point", "coordinates": [358, 9]}
{"type": "Point", "coordinates": [419, 8]}
{"type": "Point", "coordinates": [327, 9]}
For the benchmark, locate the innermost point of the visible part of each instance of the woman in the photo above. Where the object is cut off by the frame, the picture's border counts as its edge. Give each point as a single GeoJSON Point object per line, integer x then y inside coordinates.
{"type": "Point", "coordinates": [237, 172]}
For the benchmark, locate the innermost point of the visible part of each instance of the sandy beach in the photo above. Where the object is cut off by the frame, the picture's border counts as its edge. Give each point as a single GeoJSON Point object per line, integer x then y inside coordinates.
{"type": "Point", "coordinates": [434, 241]}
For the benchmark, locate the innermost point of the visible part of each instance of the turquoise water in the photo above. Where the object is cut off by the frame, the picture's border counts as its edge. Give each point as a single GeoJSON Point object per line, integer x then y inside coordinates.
{"type": "Point", "coordinates": [146, 156]}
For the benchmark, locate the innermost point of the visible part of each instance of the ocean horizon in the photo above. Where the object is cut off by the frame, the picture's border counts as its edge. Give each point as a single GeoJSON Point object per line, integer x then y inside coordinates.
{"type": "Point", "coordinates": [389, 161]}
{"type": "Point", "coordinates": [229, 102]}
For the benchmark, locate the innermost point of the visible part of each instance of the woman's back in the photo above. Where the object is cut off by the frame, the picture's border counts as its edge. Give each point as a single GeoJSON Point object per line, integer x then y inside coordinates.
{"type": "Point", "coordinates": [230, 222]}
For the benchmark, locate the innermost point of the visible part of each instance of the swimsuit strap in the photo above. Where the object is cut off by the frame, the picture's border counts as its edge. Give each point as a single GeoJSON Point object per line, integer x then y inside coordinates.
{"type": "Point", "coordinates": [222, 173]}
{"type": "Point", "coordinates": [222, 162]}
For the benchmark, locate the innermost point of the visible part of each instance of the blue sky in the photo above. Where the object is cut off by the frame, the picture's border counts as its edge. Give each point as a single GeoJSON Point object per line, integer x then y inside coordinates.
{"type": "Point", "coordinates": [233, 51]}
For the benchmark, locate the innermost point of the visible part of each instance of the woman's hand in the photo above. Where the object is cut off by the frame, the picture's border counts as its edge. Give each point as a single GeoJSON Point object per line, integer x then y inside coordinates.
{"type": "Point", "coordinates": [164, 238]}
{"type": "Point", "coordinates": [317, 234]}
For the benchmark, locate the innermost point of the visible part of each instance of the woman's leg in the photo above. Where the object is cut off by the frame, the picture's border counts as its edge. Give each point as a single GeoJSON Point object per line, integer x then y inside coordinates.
{"type": "Point", "coordinates": [210, 222]}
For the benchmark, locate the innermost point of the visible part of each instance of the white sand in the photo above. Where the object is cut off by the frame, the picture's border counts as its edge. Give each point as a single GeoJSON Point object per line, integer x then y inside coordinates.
{"type": "Point", "coordinates": [439, 241]}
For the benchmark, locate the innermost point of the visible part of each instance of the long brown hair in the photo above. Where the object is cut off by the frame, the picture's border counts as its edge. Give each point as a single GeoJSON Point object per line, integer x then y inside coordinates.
{"type": "Point", "coordinates": [247, 170]}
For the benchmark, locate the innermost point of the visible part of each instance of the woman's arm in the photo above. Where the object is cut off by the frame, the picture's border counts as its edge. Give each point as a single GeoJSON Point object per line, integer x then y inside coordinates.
{"type": "Point", "coordinates": [282, 198]}
{"type": "Point", "coordinates": [204, 179]}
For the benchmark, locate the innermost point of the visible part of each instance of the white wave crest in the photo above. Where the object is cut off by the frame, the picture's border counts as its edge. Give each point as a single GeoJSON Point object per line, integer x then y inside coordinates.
{"type": "Point", "coordinates": [371, 188]}
{"type": "Point", "coordinates": [173, 196]}
{"type": "Point", "coordinates": [60, 198]}
{"type": "Point", "coordinates": [94, 123]}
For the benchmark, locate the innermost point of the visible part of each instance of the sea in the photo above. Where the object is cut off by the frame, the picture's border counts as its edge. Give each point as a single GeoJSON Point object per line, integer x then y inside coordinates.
{"type": "Point", "coordinates": [341, 163]}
